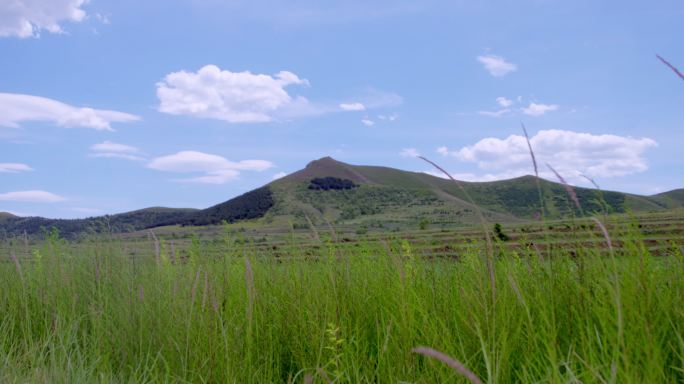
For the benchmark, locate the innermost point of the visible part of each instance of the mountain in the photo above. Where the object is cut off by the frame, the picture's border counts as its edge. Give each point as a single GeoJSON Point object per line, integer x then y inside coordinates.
{"type": "Point", "coordinates": [392, 195]}
{"type": "Point", "coordinates": [327, 190]}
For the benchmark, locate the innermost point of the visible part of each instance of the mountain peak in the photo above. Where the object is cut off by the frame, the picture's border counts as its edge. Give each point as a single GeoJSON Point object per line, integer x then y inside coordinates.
{"type": "Point", "coordinates": [327, 160]}
{"type": "Point", "coordinates": [327, 167]}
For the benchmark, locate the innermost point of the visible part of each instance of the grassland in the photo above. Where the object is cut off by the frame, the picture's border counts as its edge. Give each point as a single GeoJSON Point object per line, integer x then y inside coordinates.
{"type": "Point", "coordinates": [554, 304]}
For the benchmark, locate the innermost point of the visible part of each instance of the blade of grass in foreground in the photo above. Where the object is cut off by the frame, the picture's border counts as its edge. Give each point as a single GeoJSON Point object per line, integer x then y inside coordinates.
{"type": "Point", "coordinates": [672, 67]}
{"type": "Point", "coordinates": [483, 221]}
{"type": "Point", "coordinates": [451, 362]}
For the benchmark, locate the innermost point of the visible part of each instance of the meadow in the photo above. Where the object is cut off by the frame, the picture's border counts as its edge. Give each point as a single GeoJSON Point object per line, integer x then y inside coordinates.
{"type": "Point", "coordinates": [572, 305]}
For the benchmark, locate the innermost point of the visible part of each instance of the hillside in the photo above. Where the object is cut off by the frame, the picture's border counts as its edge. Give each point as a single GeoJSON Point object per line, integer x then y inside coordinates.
{"type": "Point", "coordinates": [674, 198]}
{"type": "Point", "coordinates": [392, 195]}
{"type": "Point", "coordinates": [327, 190]}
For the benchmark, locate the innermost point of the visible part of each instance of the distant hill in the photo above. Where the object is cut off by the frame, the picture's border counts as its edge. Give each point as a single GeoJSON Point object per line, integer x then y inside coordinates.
{"type": "Point", "coordinates": [674, 198]}
{"type": "Point", "coordinates": [123, 222]}
{"type": "Point", "coordinates": [336, 192]}
{"type": "Point", "coordinates": [4, 215]}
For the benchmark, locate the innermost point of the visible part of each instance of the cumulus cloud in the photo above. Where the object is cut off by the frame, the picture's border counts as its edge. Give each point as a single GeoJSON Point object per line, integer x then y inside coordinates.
{"type": "Point", "coordinates": [535, 109]}
{"type": "Point", "coordinates": [109, 149]}
{"type": "Point", "coordinates": [235, 97]}
{"type": "Point", "coordinates": [352, 107]}
{"type": "Point", "coordinates": [571, 153]}
{"type": "Point", "coordinates": [27, 18]}
{"type": "Point", "coordinates": [17, 108]}
{"type": "Point", "coordinates": [497, 66]}
{"type": "Point", "coordinates": [14, 168]}
{"type": "Point", "coordinates": [31, 197]}
{"type": "Point", "coordinates": [215, 169]}
{"type": "Point", "coordinates": [409, 152]}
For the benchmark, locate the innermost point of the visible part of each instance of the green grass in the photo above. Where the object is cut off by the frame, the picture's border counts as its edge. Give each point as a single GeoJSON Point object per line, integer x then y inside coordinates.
{"type": "Point", "coordinates": [93, 313]}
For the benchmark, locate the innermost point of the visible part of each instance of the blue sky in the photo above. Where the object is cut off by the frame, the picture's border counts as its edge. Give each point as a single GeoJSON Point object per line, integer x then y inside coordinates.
{"type": "Point", "coordinates": [110, 106]}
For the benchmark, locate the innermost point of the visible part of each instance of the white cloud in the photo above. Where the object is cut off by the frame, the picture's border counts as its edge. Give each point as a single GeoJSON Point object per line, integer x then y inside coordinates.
{"type": "Point", "coordinates": [496, 65]}
{"type": "Point", "coordinates": [235, 97]}
{"type": "Point", "coordinates": [31, 197]}
{"type": "Point", "coordinates": [505, 105]}
{"type": "Point", "coordinates": [467, 176]}
{"type": "Point", "coordinates": [571, 153]}
{"type": "Point", "coordinates": [27, 18]}
{"type": "Point", "coordinates": [504, 102]}
{"type": "Point", "coordinates": [14, 168]}
{"type": "Point", "coordinates": [535, 109]}
{"type": "Point", "coordinates": [409, 152]}
{"type": "Point", "coordinates": [444, 151]}
{"type": "Point", "coordinates": [17, 108]}
{"type": "Point", "coordinates": [110, 146]}
{"type": "Point", "coordinates": [388, 117]}
{"type": "Point", "coordinates": [499, 113]}
{"type": "Point", "coordinates": [352, 107]}
{"type": "Point", "coordinates": [279, 175]}
{"type": "Point", "coordinates": [216, 169]}
{"type": "Point", "coordinates": [109, 149]}
{"type": "Point", "coordinates": [213, 177]}
{"type": "Point", "coordinates": [367, 122]}
{"type": "Point", "coordinates": [124, 156]}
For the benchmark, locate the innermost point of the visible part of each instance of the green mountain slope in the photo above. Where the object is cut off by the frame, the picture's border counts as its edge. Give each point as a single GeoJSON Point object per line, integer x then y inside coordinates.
{"type": "Point", "coordinates": [671, 199]}
{"type": "Point", "coordinates": [327, 190]}
{"type": "Point", "coordinates": [387, 194]}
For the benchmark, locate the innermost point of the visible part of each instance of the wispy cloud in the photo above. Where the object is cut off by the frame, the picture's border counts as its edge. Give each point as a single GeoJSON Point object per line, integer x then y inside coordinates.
{"type": "Point", "coordinates": [497, 66]}
{"type": "Point", "coordinates": [14, 168]}
{"type": "Point", "coordinates": [409, 152]}
{"type": "Point", "coordinates": [352, 107]}
{"type": "Point", "coordinates": [504, 102]}
{"type": "Point", "coordinates": [507, 108]}
{"type": "Point", "coordinates": [33, 196]}
{"type": "Point", "coordinates": [214, 169]}
{"type": "Point", "coordinates": [497, 113]}
{"type": "Point", "coordinates": [367, 122]}
{"type": "Point", "coordinates": [535, 109]}
{"type": "Point", "coordinates": [17, 108]}
{"type": "Point", "coordinates": [109, 149]}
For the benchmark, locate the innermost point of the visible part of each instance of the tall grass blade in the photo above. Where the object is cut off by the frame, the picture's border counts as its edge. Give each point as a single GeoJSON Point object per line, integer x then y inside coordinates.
{"type": "Point", "coordinates": [568, 187]}
{"type": "Point", "coordinates": [672, 67]}
{"type": "Point", "coordinates": [450, 361]}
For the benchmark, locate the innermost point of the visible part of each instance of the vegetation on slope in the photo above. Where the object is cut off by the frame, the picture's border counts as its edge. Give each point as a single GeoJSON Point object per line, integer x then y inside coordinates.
{"type": "Point", "coordinates": [124, 222]}
{"type": "Point", "coordinates": [672, 198]}
{"type": "Point", "coordinates": [251, 205]}
{"type": "Point", "coordinates": [331, 183]}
